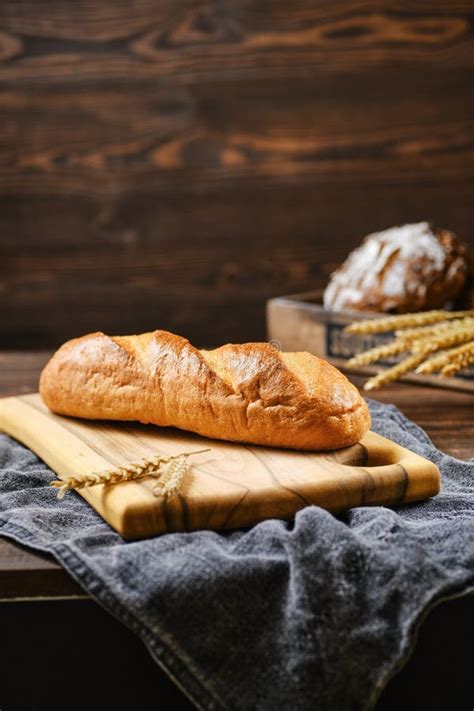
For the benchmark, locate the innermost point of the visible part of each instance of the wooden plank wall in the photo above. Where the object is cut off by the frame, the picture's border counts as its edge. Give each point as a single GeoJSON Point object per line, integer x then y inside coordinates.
{"type": "Point", "coordinates": [174, 163]}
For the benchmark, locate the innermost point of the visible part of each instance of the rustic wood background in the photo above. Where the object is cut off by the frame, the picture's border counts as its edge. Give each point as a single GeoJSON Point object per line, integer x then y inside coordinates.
{"type": "Point", "coordinates": [174, 163]}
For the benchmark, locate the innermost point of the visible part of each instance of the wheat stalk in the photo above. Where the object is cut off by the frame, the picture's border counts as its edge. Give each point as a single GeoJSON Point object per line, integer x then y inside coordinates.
{"type": "Point", "coordinates": [388, 376]}
{"type": "Point", "coordinates": [459, 363]}
{"type": "Point", "coordinates": [450, 361]}
{"type": "Point", "coordinates": [453, 337]}
{"type": "Point", "coordinates": [411, 334]}
{"type": "Point", "coordinates": [377, 353]}
{"type": "Point", "coordinates": [170, 481]}
{"type": "Point", "coordinates": [421, 336]}
{"type": "Point", "coordinates": [150, 467]}
{"type": "Point", "coordinates": [392, 323]}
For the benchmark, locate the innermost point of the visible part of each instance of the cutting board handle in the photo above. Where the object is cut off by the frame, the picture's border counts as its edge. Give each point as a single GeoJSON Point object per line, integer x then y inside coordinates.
{"type": "Point", "coordinates": [386, 458]}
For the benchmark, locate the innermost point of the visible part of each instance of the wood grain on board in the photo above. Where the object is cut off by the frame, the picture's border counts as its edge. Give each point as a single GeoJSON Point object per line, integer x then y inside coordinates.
{"type": "Point", "coordinates": [227, 486]}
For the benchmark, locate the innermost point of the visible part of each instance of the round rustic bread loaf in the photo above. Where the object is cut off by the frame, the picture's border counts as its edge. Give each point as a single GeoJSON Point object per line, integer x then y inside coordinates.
{"type": "Point", "coordinates": [410, 268]}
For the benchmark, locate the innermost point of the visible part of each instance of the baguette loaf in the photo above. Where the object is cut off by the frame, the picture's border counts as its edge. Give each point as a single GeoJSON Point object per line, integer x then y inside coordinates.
{"type": "Point", "coordinates": [248, 393]}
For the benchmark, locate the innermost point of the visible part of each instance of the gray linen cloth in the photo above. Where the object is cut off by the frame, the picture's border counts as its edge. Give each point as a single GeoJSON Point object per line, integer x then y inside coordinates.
{"type": "Point", "coordinates": [318, 612]}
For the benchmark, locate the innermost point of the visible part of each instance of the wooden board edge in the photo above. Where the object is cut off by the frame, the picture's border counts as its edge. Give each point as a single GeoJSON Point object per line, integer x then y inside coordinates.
{"type": "Point", "coordinates": [406, 477]}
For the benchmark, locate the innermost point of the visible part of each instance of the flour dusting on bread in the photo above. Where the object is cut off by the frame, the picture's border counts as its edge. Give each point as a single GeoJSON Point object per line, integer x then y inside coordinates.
{"type": "Point", "coordinates": [406, 268]}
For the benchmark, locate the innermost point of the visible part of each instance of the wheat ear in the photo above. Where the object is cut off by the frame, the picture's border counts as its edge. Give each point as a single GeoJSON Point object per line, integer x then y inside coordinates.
{"type": "Point", "coordinates": [422, 335]}
{"type": "Point", "coordinates": [127, 472]}
{"type": "Point", "coordinates": [388, 376]}
{"type": "Point", "coordinates": [459, 363]}
{"type": "Point", "coordinates": [449, 362]}
{"type": "Point", "coordinates": [392, 323]}
{"type": "Point", "coordinates": [172, 477]}
{"type": "Point", "coordinates": [152, 466]}
{"type": "Point", "coordinates": [377, 353]}
{"type": "Point", "coordinates": [453, 337]}
{"type": "Point", "coordinates": [426, 339]}
{"type": "Point", "coordinates": [413, 334]}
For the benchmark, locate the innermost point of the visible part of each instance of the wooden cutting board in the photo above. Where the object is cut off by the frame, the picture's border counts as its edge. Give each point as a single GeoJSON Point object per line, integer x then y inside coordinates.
{"type": "Point", "coordinates": [230, 486]}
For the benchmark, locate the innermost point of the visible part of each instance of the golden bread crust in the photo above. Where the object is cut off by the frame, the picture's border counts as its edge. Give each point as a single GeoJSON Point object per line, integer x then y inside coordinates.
{"type": "Point", "coordinates": [241, 392]}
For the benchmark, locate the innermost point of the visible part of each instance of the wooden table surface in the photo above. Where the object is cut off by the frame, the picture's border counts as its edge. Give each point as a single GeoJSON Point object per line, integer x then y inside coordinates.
{"type": "Point", "coordinates": [447, 416]}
